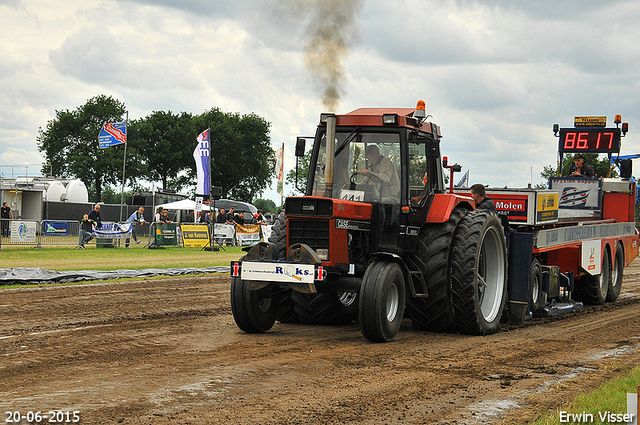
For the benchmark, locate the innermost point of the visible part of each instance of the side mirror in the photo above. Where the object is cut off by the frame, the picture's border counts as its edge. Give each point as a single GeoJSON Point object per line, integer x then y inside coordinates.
{"type": "Point", "coordinates": [625, 169]}
{"type": "Point", "coordinates": [300, 143]}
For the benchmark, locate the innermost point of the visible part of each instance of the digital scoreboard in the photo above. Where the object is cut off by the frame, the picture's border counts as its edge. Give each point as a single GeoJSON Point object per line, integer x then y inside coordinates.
{"type": "Point", "coordinates": [585, 139]}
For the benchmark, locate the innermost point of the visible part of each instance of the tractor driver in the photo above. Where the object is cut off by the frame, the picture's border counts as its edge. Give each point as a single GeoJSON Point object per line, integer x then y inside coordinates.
{"type": "Point", "coordinates": [383, 175]}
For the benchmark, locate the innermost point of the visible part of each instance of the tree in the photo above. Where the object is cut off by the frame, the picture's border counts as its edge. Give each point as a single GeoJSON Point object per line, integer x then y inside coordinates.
{"type": "Point", "coordinates": [242, 160]}
{"type": "Point", "coordinates": [70, 144]}
{"type": "Point", "coordinates": [303, 172]}
{"type": "Point", "coordinates": [165, 142]}
{"type": "Point", "coordinates": [266, 205]}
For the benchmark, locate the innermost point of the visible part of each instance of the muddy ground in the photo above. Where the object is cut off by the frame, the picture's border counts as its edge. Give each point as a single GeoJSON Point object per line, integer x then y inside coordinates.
{"type": "Point", "coordinates": [168, 352]}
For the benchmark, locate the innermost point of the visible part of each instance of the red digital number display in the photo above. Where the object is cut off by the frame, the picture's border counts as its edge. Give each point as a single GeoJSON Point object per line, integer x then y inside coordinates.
{"type": "Point", "coordinates": [603, 140]}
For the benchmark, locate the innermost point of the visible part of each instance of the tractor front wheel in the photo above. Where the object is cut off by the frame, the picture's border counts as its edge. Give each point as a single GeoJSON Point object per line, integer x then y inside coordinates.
{"type": "Point", "coordinates": [382, 299]}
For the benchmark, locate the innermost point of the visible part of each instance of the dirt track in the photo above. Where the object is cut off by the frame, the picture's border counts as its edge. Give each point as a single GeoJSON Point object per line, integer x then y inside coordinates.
{"type": "Point", "coordinates": [168, 352]}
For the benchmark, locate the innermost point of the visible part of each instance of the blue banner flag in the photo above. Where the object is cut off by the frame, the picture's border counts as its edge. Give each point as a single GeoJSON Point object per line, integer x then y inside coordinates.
{"type": "Point", "coordinates": [201, 155]}
{"type": "Point", "coordinates": [112, 134]}
{"type": "Point", "coordinates": [464, 181]}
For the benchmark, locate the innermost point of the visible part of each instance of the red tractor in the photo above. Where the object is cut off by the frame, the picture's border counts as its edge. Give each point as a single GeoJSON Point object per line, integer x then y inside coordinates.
{"type": "Point", "coordinates": [376, 237]}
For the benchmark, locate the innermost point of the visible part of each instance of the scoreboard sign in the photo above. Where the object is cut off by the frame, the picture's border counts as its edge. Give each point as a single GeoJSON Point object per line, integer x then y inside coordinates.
{"type": "Point", "coordinates": [596, 140]}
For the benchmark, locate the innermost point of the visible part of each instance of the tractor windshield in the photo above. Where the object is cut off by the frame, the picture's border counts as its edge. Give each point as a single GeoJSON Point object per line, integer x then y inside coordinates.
{"type": "Point", "coordinates": [366, 167]}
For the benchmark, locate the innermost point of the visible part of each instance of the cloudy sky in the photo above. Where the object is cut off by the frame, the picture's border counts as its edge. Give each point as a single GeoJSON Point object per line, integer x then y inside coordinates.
{"type": "Point", "coordinates": [496, 74]}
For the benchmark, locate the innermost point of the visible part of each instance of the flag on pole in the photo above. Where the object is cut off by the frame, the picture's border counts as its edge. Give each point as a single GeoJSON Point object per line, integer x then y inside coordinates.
{"type": "Point", "coordinates": [201, 155]}
{"type": "Point", "coordinates": [464, 181]}
{"type": "Point", "coordinates": [280, 169]}
{"type": "Point", "coordinates": [112, 134]}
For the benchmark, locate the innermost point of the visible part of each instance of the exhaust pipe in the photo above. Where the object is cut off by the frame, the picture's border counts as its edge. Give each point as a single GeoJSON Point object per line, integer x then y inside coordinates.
{"type": "Point", "coordinates": [330, 154]}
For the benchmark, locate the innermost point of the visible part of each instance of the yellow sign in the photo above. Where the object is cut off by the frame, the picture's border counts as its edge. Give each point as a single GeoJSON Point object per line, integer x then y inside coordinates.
{"type": "Point", "coordinates": [547, 208]}
{"type": "Point", "coordinates": [195, 235]}
{"type": "Point", "coordinates": [590, 121]}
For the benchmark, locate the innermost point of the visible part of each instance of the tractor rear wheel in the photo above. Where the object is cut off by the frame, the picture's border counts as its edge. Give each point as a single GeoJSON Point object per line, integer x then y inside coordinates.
{"type": "Point", "coordinates": [594, 289]}
{"type": "Point", "coordinates": [382, 298]}
{"type": "Point", "coordinates": [479, 273]}
{"type": "Point", "coordinates": [433, 257]}
{"type": "Point", "coordinates": [616, 276]}
{"type": "Point", "coordinates": [323, 308]}
{"type": "Point", "coordinates": [286, 312]}
{"type": "Point", "coordinates": [253, 311]}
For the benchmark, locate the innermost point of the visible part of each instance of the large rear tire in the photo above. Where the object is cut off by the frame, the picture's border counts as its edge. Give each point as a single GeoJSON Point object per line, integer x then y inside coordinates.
{"type": "Point", "coordinates": [616, 276]}
{"type": "Point", "coordinates": [253, 311]}
{"type": "Point", "coordinates": [286, 312]}
{"type": "Point", "coordinates": [323, 308]}
{"type": "Point", "coordinates": [279, 235]}
{"type": "Point", "coordinates": [433, 257]}
{"type": "Point", "coordinates": [594, 289]}
{"type": "Point", "coordinates": [382, 300]}
{"type": "Point", "coordinates": [479, 273]}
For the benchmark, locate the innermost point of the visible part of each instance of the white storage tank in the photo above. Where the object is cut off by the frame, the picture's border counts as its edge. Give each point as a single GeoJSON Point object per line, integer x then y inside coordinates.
{"type": "Point", "coordinates": [55, 191]}
{"type": "Point", "coordinates": [77, 192]}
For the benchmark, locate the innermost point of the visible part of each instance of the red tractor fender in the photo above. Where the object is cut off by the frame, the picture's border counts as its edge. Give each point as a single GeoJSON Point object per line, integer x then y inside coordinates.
{"type": "Point", "coordinates": [443, 204]}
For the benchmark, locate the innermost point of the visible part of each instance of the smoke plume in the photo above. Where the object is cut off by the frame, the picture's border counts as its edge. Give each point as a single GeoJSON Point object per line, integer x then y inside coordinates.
{"type": "Point", "coordinates": [330, 33]}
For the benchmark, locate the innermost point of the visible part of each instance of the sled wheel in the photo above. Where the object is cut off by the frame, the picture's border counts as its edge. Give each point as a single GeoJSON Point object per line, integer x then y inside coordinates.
{"type": "Point", "coordinates": [593, 289]}
{"type": "Point", "coordinates": [538, 296]}
{"type": "Point", "coordinates": [616, 275]}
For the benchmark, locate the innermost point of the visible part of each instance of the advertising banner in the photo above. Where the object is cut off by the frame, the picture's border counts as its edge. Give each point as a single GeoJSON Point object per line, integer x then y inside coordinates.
{"type": "Point", "coordinates": [60, 228]}
{"type": "Point", "coordinates": [111, 230]}
{"type": "Point", "coordinates": [195, 235]}
{"type": "Point", "coordinates": [23, 231]}
{"type": "Point", "coordinates": [248, 234]}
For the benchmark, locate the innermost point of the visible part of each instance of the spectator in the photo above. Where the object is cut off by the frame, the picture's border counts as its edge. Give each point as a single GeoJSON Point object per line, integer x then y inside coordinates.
{"type": "Point", "coordinates": [479, 195]}
{"type": "Point", "coordinates": [231, 217]}
{"type": "Point", "coordinates": [165, 217]}
{"type": "Point", "coordinates": [259, 218]}
{"type": "Point", "coordinates": [136, 219]}
{"type": "Point", "coordinates": [7, 215]}
{"type": "Point", "coordinates": [238, 218]}
{"type": "Point", "coordinates": [222, 216]}
{"type": "Point", "coordinates": [159, 216]}
{"type": "Point", "coordinates": [95, 216]}
{"type": "Point", "coordinates": [85, 232]}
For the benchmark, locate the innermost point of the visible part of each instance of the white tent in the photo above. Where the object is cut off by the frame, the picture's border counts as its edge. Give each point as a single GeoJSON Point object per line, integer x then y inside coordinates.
{"type": "Point", "coordinates": [185, 204]}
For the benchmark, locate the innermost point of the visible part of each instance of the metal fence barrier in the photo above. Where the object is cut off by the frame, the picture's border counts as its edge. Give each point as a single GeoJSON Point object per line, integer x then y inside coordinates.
{"type": "Point", "coordinates": [53, 233]}
{"type": "Point", "coordinates": [61, 232]}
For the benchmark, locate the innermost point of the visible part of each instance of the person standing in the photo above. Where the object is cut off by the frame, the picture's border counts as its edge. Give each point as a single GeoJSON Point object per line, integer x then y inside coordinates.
{"type": "Point", "coordinates": [221, 218]}
{"type": "Point", "coordinates": [479, 195]}
{"type": "Point", "coordinates": [136, 219]}
{"type": "Point", "coordinates": [85, 232]}
{"type": "Point", "coordinates": [95, 216]}
{"type": "Point", "coordinates": [7, 215]}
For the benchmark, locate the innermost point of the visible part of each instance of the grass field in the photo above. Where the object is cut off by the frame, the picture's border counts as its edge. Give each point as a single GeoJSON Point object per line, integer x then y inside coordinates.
{"type": "Point", "coordinates": [134, 258]}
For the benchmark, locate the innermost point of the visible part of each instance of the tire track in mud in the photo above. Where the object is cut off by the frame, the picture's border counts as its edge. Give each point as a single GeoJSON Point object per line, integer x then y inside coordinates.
{"type": "Point", "coordinates": [167, 351]}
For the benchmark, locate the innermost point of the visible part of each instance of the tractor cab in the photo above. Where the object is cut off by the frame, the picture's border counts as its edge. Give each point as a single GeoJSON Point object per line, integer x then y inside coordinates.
{"type": "Point", "coordinates": [388, 158]}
